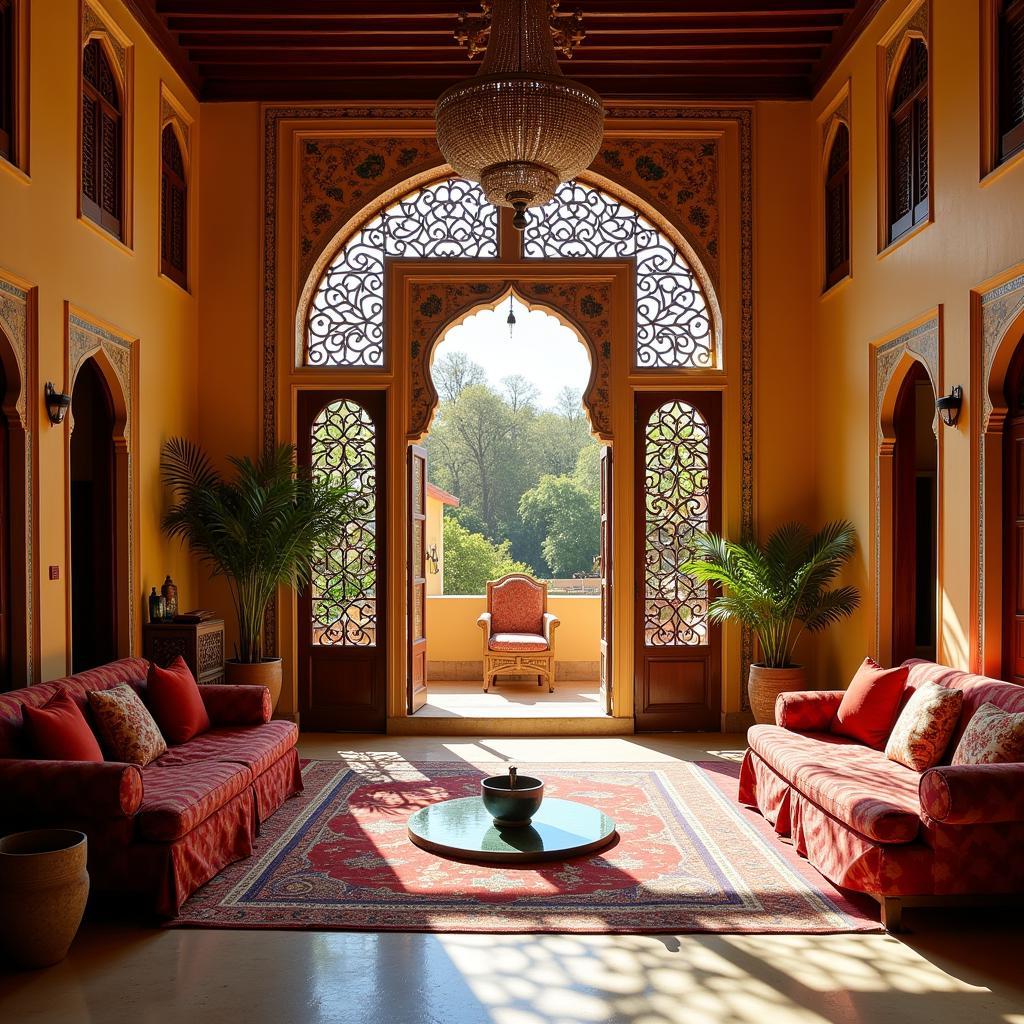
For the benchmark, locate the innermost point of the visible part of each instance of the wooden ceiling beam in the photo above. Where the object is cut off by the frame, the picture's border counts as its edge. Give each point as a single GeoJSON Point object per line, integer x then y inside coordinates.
{"type": "Point", "coordinates": [845, 37]}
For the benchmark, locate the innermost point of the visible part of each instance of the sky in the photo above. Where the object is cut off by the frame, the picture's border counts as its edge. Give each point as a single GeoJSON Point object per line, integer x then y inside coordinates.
{"type": "Point", "coordinates": [541, 349]}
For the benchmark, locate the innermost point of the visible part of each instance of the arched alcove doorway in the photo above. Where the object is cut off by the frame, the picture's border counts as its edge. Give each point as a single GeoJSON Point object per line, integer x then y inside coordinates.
{"type": "Point", "coordinates": [914, 512]}
{"type": "Point", "coordinates": [380, 298]}
{"type": "Point", "coordinates": [513, 473]}
{"type": "Point", "coordinates": [94, 507]}
{"type": "Point", "coordinates": [6, 554]}
{"type": "Point", "coordinates": [1013, 522]}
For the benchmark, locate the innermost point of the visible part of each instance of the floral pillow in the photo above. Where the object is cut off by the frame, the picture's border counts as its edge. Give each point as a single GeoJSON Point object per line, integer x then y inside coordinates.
{"type": "Point", "coordinates": [126, 726]}
{"type": "Point", "coordinates": [992, 736]}
{"type": "Point", "coordinates": [922, 732]}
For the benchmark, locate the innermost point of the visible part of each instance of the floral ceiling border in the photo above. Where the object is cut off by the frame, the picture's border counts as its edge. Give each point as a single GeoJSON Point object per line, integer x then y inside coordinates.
{"type": "Point", "coordinates": [665, 183]}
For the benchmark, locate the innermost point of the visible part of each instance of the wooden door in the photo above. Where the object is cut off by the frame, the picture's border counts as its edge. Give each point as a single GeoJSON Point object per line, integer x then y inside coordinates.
{"type": "Point", "coordinates": [417, 557]}
{"type": "Point", "coordinates": [343, 612]}
{"type": "Point", "coordinates": [606, 577]}
{"type": "Point", "coordinates": [1013, 546]}
{"type": "Point", "coordinates": [677, 483]}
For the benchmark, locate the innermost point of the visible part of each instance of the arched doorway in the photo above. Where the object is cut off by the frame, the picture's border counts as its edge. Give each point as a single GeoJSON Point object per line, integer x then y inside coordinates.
{"type": "Point", "coordinates": [6, 652]}
{"type": "Point", "coordinates": [1013, 522]}
{"type": "Point", "coordinates": [914, 526]}
{"type": "Point", "coordinates": [94, 521]}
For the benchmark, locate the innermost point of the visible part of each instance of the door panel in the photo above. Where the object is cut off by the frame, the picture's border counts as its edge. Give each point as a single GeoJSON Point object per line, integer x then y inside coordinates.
{"type": "Point", "coordinates": [1013, 555]}
{"type": "Point", "coordinates": [342, 614]}
{"type": "Point", "coordinates": [417, 560]}
{"type": "Point", "coordinates": [677, 651]}
{"type": "Point", "coordinates": [606, 577]}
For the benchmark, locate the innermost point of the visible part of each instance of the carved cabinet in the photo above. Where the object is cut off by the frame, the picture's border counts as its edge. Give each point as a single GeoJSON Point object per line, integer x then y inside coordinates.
{"type": "Point", "coordinates": [201, 644]}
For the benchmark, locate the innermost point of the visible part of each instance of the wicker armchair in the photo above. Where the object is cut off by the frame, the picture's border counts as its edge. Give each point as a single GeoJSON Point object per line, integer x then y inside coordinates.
{"type": "Point", "coordinates": [518, 631]}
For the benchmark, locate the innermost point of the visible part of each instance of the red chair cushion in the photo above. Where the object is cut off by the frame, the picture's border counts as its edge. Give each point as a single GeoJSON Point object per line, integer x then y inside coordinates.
{"type": "Point", "coordinates": [517, 606]}
{"type": "Point", "coordinates": [176, 703]}
{"type": "Point", "coordinates": [517, 642]}
{"type": "Point", "coordinates": [871, 703]}
{"type": "Point", "coordinates": [857, 785]}
{"type": "Point", "coordinates": [60, 732]}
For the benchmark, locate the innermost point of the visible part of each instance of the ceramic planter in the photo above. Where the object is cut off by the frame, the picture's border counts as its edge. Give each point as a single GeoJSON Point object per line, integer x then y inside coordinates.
{"type": "Point", "coordinates": [764, 686]}
{"type": "Point", "coordinates": [267, 672]}
{"type": "Point", "coordinates": [43, 888]}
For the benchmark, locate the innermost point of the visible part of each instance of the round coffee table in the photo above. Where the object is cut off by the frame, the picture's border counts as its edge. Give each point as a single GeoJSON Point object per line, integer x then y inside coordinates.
{"type": "Point", "coordinates": [464, 829]}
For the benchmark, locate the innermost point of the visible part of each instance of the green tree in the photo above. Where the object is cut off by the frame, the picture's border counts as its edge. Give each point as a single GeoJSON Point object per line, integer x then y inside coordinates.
{"type": "Point", "coordinates": [453, 373]}
{"type": "Point", "coordinates": [470, 560]}
{"type": "Point", "coordinates": [587, 473]}
{"type": "Point", "coordinates": [570, 520]}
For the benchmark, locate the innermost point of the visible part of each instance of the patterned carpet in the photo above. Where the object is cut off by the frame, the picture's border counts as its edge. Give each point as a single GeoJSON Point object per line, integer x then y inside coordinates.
{"type": "Point", "coordinates": [688, 860]}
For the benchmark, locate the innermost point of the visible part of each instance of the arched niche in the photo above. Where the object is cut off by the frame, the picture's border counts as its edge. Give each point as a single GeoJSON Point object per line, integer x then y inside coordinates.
{"type": "Point", "coordinates": [892, 361]}
{"type": "Point", "coordinates": [115, 358]}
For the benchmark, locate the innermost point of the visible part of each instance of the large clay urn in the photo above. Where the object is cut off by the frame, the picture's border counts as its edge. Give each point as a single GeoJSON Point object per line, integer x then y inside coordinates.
{"type": "Point", "coordinates": [764, 686]}
{"type": "Point", "coordinates": [267, 672]}
{"type": "Point", "coordinates": [43, 889]}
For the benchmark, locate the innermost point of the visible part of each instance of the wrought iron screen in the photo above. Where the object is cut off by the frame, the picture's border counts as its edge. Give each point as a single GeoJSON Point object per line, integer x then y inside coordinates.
{"type": "Point", "coordinates": [450, 219]}
{"type": "Point", "coordinates": [673, 327]}
{"type": "Point", "coordinates": [344, 583]}
{"type": "Point", "coordinates": [677, 488]}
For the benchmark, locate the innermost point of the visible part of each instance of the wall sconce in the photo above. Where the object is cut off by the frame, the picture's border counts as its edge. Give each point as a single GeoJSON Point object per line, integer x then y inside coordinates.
{"type": "Point", "coordinates": [432, 562]}
{"type": "Point", "coordinates": [57, 404]}
{"type": "Point", "coordinates": [949, 406]}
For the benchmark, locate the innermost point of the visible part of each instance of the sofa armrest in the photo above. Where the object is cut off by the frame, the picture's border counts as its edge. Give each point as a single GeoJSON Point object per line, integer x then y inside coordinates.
{"type": "Point", "coordinates": [484, 622]}
{"type": "Point", "coordinates": [236, 705]}
{"type": "Point", "coordinates": [52, 791]}
{"type": "Point", "coordinates": [807, 710]}
{"type": "Point", "coordinates": [551, 623]}
{"type": "Point", "coordinates": [972, 794]}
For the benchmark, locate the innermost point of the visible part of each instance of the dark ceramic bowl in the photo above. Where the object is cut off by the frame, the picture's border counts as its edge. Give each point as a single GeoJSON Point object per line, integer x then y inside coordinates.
{"type": "Point", "coordinates": [509, 807]}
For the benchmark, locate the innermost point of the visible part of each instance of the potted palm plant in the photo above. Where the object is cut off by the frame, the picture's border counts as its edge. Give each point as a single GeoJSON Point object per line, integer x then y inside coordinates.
{"type": "Point", "coordinates": [259, 530]}
{"type": "Point", "coordinates": [778, 591]}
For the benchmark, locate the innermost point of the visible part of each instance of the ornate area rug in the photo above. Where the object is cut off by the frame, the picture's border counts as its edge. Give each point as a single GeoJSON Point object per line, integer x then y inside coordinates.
{"type": "Point", "coordinates": [688, 859]}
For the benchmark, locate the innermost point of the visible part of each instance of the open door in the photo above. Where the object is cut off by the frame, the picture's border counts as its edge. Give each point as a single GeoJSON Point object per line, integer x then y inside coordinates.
{"type": "Point", "coordinates": [417, 554]}
{"type": "Point", "coordinates": [606, 577]}
{"type": "Point", "coordinates": [678, 650]}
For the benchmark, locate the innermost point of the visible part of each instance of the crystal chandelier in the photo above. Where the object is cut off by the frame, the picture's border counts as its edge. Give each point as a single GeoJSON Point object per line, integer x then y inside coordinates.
{"type": "Point", "coordinates": [519, 127]}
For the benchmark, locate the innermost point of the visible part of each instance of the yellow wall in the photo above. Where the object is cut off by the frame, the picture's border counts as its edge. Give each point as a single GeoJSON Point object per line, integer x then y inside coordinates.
{"type": "Point", "coordinates": [978, 231]}
{"type": "Point", "coordinates": [453, 635]}
{"type": "Point", "coordinates": [435, 539]}
{"type": "Point", "coordinates": [43, 242]}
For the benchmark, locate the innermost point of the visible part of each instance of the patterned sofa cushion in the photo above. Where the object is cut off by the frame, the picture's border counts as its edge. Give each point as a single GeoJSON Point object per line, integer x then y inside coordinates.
{"type": "Point", "coordinates": [855, 784]}
{"type": "Point", "coordinates": [517, 642]}
{"type": "Point", "coordinates": [178, 798]}
{"type": "Point", "coordinates": [256, 747]}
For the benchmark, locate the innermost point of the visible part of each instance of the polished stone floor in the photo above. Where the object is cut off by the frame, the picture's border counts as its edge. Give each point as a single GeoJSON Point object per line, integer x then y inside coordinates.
{"type": "Point", "coordinates": [963, 966]}
{"type": "Point", "coordinates": [512, 699]}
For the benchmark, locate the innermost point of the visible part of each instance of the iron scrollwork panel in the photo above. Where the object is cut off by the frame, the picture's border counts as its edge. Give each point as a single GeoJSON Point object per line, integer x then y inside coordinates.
{"type": "Point", "coordinates": [343, 588]}
{"type": "Point", "coordinates": [677, 489]}
{"type": "Point", "coordinates": [673, 327]}
{"type": "Point", "coordinates": [450, 219]}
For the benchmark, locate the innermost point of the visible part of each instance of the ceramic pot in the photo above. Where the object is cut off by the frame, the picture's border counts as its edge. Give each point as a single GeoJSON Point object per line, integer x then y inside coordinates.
{"type": "Point", "coordinates": [512, 808]}
{"type": "Point", "coordinates": [764, 686]}
{"type": "Point", "coordinates": [267, 672]}
{"type": "Point", "coordinates": [43, 889]}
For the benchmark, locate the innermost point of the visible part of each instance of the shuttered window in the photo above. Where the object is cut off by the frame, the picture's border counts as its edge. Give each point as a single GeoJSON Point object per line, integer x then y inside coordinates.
{"type": "Point", "coordinates": [7, 79]}
{"type": "Point", "coordinates": [102, 141]}
{"type": "Point", "coordinates": [1011, 78]}
{"type": "Point", "coordinates": [173, 210]}
{"type": "Point", "coordinates": [908, 143]}
{"type": "Point", "coordinates": [837, 209]}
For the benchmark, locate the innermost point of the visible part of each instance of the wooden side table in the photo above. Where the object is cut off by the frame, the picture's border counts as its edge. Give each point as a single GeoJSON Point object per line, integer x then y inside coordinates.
{"type": "Point", "coordinates": [201, 644]}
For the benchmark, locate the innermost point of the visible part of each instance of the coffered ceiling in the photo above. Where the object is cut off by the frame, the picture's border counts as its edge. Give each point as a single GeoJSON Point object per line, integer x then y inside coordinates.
{"type": "Point", "coordinates": [405, 50]}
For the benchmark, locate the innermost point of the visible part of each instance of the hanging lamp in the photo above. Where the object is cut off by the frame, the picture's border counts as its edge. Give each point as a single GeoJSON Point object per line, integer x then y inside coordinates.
{"type": "Point", "coordinates": [520, 127]}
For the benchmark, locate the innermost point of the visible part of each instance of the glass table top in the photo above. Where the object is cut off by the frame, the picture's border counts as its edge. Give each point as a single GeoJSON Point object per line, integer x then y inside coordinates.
{"type": "Point", "coordinates": [464, 828]}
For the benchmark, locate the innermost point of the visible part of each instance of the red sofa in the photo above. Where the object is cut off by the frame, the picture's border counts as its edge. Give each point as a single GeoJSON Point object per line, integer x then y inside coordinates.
{"type": "Point", "coordinates": [874, 826]}
{"type": "Point", "coordinates": [156, 833]}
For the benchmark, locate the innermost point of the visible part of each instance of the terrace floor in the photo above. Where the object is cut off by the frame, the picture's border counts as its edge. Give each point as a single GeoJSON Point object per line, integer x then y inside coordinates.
{"type": "Point", "coordinates": [512, 699]}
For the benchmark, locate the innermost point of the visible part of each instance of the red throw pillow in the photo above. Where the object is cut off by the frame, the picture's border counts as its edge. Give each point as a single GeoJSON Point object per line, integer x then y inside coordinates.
{"type": "Point", "coordinates": [176, 703]}
{"type": "Point", "coordinates": [869, 707]}
{"type": "Point", "coordinates": [60, 732]}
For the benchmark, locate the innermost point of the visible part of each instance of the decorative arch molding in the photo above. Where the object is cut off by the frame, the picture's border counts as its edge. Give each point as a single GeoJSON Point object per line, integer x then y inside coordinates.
{"type": "Point", "coordinates": [997, 330]}
{"type": "Point", "coordinates": [584, 306]}
{"type": "Point", "coordinates": [18, 354]}
{"type": "Point", "coordinates": [98, 24]}
{"type": "Point", "coordinates": [891, 359]}
{"type": "Point", "coordinates": [915, 23]}
{"type": "Point", "coordinates": [173, 113]}
{"type": "Point", "coordinates": [117, 357]}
